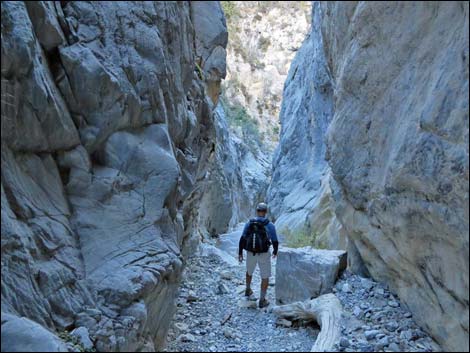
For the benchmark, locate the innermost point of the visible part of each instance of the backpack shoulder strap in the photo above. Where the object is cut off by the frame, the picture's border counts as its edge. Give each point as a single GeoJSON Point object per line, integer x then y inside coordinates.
{"type": "Point", "coordinates": [251, 222]}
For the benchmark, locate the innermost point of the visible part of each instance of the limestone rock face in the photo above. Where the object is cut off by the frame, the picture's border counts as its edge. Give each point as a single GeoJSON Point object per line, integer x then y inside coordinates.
{"type": "Point", "coordinates": [299, 192]}
{"type": "Point", "coordinates": [237, 181]}
{"type": "Point", "coordinates": [263, 39]}
{"type": "Point", "coordinates": [397, 149]}
{"type": "Point", "coordinates": [211, 41]}
{"type": "Point", "coordinates": [106, 132]}
{"type": "Point", "coordinates": [306, 273]}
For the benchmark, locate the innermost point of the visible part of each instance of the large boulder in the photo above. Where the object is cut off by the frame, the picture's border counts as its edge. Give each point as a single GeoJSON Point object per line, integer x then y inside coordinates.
{"type": "Point", "coordinates": [307, 273]}
{"type": "Point", "coordinates": [20, 334]}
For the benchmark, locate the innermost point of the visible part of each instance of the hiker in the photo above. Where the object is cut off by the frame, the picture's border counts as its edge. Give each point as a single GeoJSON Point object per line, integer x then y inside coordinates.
{"type": "Point", "coordinates": [258, 235]}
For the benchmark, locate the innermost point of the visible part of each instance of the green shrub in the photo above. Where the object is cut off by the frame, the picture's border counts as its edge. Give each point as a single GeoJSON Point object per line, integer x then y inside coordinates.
{"type": "Point", "coordinates": [237, 116]}
{"type": "Point", "coordinates": [301, 238]}
{"type": "Point", "coordinates": [264, 43]}
{"type": "Point", "coordinates": [230, 9]}
{"type": "Point", "coordinates": [74, 341]}
{"type": "Point", "coordinates": [199, 71]}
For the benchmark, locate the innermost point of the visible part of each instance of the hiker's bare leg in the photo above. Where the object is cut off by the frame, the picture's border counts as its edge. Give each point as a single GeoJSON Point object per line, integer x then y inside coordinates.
{"type": "Point", "coordinates": [248, 281]}
{"type": "Point", "coordinates": [264, 287]}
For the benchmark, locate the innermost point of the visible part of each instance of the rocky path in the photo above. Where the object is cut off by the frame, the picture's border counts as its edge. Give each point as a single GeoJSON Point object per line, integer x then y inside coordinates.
{"type": "Point", "coordinates": [212, 314]}
{"type": "Point", "coordinates": [375, 321]}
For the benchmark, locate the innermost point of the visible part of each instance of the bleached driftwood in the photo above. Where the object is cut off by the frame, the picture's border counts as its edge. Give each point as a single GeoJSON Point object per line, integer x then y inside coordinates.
{"type": "Point", "coordinates": [325, 310]}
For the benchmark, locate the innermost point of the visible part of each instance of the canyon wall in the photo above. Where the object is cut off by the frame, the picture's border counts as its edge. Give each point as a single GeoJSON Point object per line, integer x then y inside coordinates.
{"type": "Point", "coordinates": [263, 39]}
{"type": "Point", "coordinates": [397, 148]}
{"type": "Point", "coordinates": [299, 194]}
{"type": "Point", "coordinates": [237, 180]}
{"type": "Point", "coordinates": [107, 134]}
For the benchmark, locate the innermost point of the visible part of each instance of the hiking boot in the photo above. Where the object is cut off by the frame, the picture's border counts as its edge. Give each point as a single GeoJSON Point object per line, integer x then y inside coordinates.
{"type": "Point", "coordinates": [248, 292]}
{"type": "Point", "coordinates": [263, 303]}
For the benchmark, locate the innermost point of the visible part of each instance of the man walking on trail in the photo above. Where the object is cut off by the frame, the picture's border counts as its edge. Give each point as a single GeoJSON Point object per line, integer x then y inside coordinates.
{"type": "Point", "coordinates": [258, 235]}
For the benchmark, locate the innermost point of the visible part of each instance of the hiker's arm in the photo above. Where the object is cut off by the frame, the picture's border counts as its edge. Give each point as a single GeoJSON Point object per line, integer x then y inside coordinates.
{"type": "Point", "coordinates": [241, 243]}
{"type": "Point", "coordinates": [275, 247]}
{"type": "Point", "coordinates": [273, 236]}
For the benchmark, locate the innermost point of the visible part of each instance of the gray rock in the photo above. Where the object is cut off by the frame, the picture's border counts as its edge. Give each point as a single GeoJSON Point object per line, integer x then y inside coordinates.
{"type": "Point", "coordinates": [379, 291]}
{"type": "Point", "coordinates": [83, 336]}
{"type": "Point", "coordinates": [225, 274]}
{"type": "Point", "coordinates": [187, 337]}
{"type": "Point", "coordinates": [211, 41]}
{"type": "Point", "coordinates": [367, 284]}
{"type": "Point", "coordinates": [181, 326]}
{"type": "Point", "coordinates": [44, 17]}
{"type": "Point", "coordinates": [391, 326]}
{"type": "Point", "coordinates": [358, 312]}
{"type": "Point", "coordinates": [192, 297]}
{"type": "Point", "coordinates": [306, 273]}
{"type": "Point", "coordinates": [237, 181]}
{"type": "Point", "coordinates": [346, 288]}
{"type": "Point", "coordinates": [24, 335]}
{"type": "Point", "coordinates": [371, 334]}
{"type": "Point", "coordinates": [381, 343]}
{"type": "Point", "coordinates": [222, 289]}
{"type": "Point", "coordinates": [406, 335]}
{"type": "Point", "coordinates": [344, 342]}
{"type": "Point", "coordinates": [230, 333]}
{"type": "Point", "coordinates": [365, 347]}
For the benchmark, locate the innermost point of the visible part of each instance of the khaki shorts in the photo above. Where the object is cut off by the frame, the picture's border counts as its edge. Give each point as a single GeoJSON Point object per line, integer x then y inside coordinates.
{"type": "Point", "coordinates": [264, 262]}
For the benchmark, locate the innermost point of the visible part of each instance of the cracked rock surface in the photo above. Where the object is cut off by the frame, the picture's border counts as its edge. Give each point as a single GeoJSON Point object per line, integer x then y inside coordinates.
{"type": "Point", "coordinates": [106, 132]}
{"type": "Point", "coordinates": [374, 149]}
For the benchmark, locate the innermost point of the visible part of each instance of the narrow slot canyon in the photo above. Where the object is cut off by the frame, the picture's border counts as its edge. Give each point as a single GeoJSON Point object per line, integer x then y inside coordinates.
{"type": "Point", "coordinates": [139, 138]}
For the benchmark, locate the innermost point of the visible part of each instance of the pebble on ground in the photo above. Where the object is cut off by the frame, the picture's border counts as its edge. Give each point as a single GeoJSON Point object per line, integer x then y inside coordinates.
{"type": "Point", "coordinates": [215, 320]}
{"type": "Point", "coordinates": [213, 315]}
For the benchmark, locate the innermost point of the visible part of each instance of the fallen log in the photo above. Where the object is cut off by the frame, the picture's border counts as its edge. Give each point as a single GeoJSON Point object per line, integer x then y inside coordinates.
{"type": "Point", "coordinates": [325, 310]}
